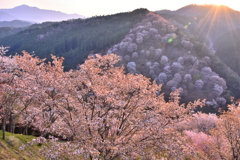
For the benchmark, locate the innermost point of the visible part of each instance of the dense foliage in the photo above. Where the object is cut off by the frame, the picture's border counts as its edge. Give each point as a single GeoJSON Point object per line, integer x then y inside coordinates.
{"type": "Point", "coordinates": [6, 31]}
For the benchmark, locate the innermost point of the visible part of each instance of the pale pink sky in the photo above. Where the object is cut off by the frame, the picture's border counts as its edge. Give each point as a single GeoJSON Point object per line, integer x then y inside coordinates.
{"type": "Point", "coordinates": [104, 7]}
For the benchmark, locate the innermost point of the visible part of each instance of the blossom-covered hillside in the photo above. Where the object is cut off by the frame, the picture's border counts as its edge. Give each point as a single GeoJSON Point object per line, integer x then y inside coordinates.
{"type": "Point", "coordinates": [160, 51]}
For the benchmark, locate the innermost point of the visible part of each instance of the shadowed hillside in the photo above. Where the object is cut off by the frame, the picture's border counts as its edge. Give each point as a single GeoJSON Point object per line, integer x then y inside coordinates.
{"type": "Point", "coordinates": [228, 49]}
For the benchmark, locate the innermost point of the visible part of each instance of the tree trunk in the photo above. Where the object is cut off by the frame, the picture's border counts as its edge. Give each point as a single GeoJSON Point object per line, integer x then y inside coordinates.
{"type": "Point", "coordinates": [4, 127]}
{"type": "Point", "coordinates": [11, 123]}
{"type": "Point", "coordinates": [26, 129]}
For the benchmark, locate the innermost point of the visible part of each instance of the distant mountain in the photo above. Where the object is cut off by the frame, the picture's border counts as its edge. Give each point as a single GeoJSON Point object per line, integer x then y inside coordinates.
{"type": "Point", "coordinates": [14, 24]}
{"type": "Point", "coordinates": [11, 27]}
{"type": "Point", "coordinates": [6, 17]}
{"type": "Point", "coordinates": [165, 11]}
{"type": "Point", "coordinates": [34, 14]}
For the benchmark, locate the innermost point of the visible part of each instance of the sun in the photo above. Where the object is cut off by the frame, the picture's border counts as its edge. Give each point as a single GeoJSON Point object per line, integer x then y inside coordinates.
{"type": "Point", "coordinates": [230, 3]}
{"type": "Point", "coordinates": [219, 2]}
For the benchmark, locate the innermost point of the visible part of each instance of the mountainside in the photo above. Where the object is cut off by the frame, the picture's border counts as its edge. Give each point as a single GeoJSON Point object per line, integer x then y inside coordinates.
{"type": "Point", "coordinates": [216, 27]}
{"type": "Point", "coordinates": [228, 49]}
{"type": "Point", "coordinates": [12, 27]}
{"type": "Point", "coordinates": [73, 39]}
{"type": "Point", "coordinates": [159, 50]}
{"type": "Point", "coordinates": [34, 14]}
{"type": "Point", "coordinates": [14, 24]}
{"type": "Point", "coordinates": [204, 10]}
{"type": "Point", "coordinates": [6, 17]}
{"type": "Point", "coordinates": [6, 31]}
{"type": "Point", "coordinates": [211, 23]}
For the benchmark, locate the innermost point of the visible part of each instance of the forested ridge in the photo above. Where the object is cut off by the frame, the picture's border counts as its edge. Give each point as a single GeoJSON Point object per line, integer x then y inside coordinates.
{"type": "Point", "coordinates": [73, 39]}
{"type": "Point", "coordinates": [14, 24]}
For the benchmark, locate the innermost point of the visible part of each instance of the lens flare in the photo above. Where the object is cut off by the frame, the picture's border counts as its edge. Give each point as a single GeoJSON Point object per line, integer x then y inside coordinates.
{"type": "Point", "coordinates": [170, 40]}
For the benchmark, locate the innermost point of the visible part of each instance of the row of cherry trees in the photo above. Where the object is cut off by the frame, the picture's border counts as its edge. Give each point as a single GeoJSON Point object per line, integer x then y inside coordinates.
{"type": "Point", "coordinates": [101, 111]}
{"type": "Point", "coordinates": [104, 113]}
{"type": "Point", "coordinates": [213, 137]}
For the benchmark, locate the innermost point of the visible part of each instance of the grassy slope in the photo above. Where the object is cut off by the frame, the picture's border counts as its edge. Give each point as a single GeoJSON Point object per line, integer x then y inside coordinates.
{"type": "Point", "coordinates": [9, 148]}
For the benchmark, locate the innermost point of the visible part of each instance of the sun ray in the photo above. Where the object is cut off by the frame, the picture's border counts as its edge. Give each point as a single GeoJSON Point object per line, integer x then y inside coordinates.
{"type": "Point", "coordinates": [215, 19]}
{"type": "Point", "coordinates": [218, 18]}
{"type": "Point", "coordinates": [205, 21]}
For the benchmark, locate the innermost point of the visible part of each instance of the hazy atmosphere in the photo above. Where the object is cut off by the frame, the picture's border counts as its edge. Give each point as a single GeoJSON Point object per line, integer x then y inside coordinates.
{"type": "Point", "coordinates": [105, 7]}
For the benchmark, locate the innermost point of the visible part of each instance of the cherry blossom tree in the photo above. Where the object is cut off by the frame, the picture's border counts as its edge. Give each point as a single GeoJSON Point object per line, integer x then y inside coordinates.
{"type": "Point", "coordinates": [131, 66]}
{"type": "Point", "coordinates": [101, 111]}
{"type": "Point", "coordinates": [164, 60]}
{"type": "Point", "coordinates": [162, 78]}
{"type": "Point", "coordinates": [198, 84]}
{"type": "Point", "coordinates": [8, 91]}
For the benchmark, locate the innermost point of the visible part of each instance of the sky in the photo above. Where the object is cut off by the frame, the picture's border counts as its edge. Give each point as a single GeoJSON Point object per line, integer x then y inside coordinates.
{"type": "Point", "coordinates": [90, 8]}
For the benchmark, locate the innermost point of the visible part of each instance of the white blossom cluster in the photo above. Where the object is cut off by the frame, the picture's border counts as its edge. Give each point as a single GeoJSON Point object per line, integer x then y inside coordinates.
{"type": "Point", "coordinates": [131, 66]}
{"type": "Point", "coordinates": [187, 44]}
{"type": "Point", "coordinates": [148, 49]}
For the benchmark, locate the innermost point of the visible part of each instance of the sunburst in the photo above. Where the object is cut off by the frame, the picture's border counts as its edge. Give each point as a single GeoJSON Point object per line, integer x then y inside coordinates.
{"type": "Point", "coordinates": [218, 16]}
